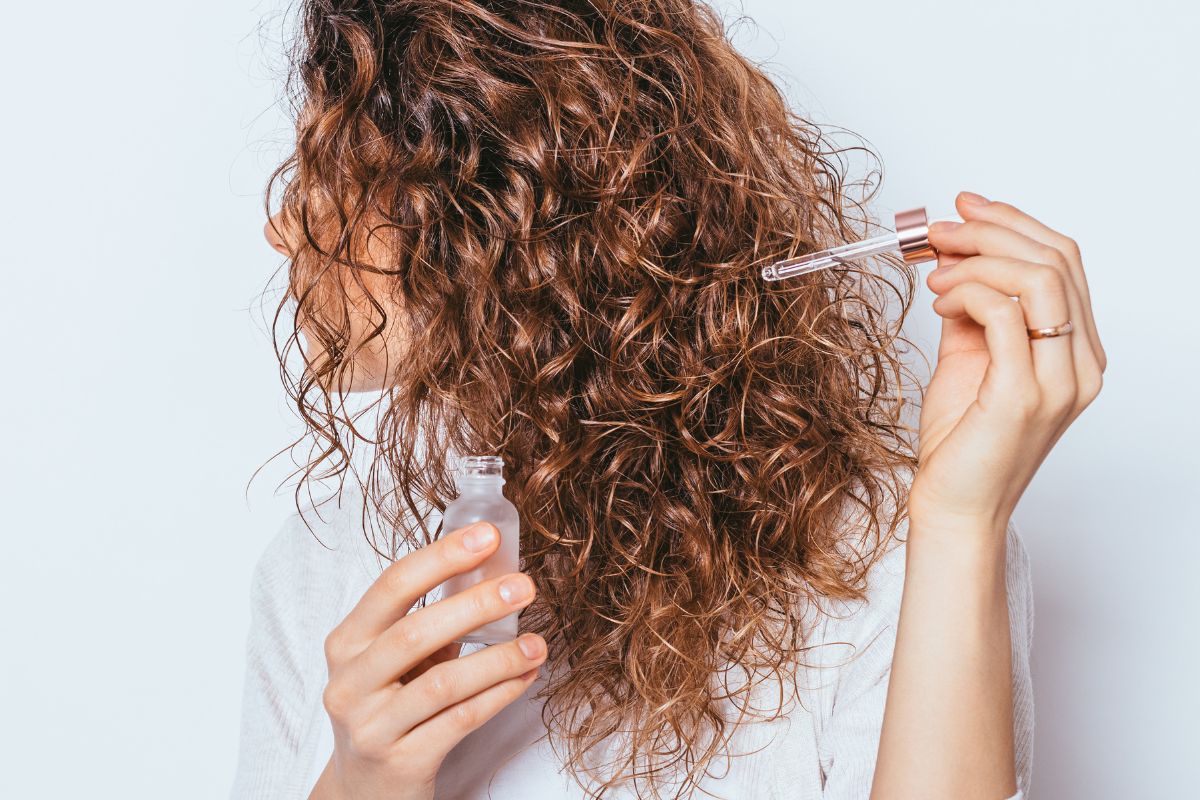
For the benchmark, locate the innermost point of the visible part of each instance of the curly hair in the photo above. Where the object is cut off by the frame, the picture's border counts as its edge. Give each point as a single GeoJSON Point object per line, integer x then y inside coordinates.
{"type": "Point", "coordinates": [570, 203]}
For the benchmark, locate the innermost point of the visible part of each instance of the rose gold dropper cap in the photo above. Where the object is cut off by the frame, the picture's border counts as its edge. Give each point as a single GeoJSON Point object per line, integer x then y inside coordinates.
{"type": "Point", "coordinates": [912, 229]}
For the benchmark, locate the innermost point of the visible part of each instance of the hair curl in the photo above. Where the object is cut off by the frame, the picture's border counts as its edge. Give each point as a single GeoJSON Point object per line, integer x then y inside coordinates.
{"type": "Point", "coordinates": [576, 199]}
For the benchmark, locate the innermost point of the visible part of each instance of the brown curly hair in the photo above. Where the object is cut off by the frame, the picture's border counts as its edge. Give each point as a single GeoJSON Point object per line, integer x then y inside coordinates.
{"type": "Point", "coordinates": [570, 203]}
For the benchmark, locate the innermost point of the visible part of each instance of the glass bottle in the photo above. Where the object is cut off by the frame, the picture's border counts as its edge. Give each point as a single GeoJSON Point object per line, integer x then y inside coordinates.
{"type": "Point", "coordinates": [479, 480]}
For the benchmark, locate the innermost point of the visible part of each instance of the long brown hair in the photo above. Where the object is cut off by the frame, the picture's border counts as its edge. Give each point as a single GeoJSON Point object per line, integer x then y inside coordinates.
{"type": "Point", "coordinates": [576, 199]}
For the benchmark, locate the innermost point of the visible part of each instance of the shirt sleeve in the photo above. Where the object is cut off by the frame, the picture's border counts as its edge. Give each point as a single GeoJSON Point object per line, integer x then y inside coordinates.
{"type": "Point", "coordinates": [277, 689]}
{"type": "Point", "coordinates": [851, 701]}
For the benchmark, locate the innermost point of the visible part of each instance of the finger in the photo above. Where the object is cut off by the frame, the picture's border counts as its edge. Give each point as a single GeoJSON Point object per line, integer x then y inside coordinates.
{"type": "Point", "coordinates": [948, 259]}
{"type": "Point", "coordinates": [976, 237]}
{"type": "Point", "coordinates": [450, 726]}
{"type": "Point", "coordinates": [454, 681]}
{"type": "Point", "coordinates": [1088, 352]}
{"type": "Point", "coordinates": [1044, 295]}
{"type": "Point", "coordinates": [447, 653]}
{"type": "Point", "coordinates": [1003, 322]}
{"type": "Point", "coordinates": [413, 638]}
{"type": "Point", "coordinates": [397, 588]}
{"type": "Point", "coordinates": [1012, 217]}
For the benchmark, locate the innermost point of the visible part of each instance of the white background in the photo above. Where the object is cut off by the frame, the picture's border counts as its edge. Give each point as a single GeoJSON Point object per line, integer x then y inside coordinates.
{"type": "Point", "coordinates": [141, 393]}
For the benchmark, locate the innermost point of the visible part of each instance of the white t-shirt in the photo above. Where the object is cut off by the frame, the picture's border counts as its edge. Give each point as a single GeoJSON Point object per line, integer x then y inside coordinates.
{"type": "Point", "coordinates": [823, 748]}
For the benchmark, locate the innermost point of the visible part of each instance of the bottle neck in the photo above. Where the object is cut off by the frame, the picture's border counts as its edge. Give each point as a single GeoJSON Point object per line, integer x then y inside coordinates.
{"type": "Point", "coordinates": [474, 484]}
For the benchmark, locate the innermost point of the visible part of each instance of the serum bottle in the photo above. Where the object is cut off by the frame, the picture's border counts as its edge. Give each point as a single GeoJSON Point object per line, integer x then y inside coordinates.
{"type": "Point", "coordinates": [480, 479]}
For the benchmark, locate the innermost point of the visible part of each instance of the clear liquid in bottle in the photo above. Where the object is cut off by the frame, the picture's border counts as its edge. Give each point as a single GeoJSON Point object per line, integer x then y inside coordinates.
{"type": "Point", "coordinates": [480, 498]}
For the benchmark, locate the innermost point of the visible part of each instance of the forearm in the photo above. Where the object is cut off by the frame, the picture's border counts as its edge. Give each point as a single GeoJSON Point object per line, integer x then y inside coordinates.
{"type": "Point", "coordinates": [947, 729]}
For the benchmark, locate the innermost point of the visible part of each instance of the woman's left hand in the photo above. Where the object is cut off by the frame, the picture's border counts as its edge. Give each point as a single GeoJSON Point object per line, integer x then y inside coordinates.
{"type": "Point", "coordinates": [998, 401]}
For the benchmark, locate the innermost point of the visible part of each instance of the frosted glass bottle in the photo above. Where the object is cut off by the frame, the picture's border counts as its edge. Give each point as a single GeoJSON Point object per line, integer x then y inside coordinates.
{"type": "Point", "coordinates": [479, 480]}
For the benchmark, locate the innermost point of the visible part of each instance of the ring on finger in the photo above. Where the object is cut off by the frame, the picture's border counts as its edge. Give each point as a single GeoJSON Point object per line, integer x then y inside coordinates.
{"type": "Point", "coordinates": [1046, 333]}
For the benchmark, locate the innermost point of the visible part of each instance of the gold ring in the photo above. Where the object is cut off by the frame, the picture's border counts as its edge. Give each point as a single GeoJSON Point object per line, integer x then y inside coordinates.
{"type": "Point", "coordinates": [1046, 333]}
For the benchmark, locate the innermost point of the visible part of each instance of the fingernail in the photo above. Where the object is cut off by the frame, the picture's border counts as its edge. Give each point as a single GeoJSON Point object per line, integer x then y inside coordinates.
{"type": "Point", "coordinates": [945, 226]}
{"type": "Point", "coordinates": [478, 537]}
{"type": "Point", "coordinates": [975, 199]}
{"type": "Point", "coordinates": [516, 588]}
{"type": "Point", "coordinates": [531, 646]}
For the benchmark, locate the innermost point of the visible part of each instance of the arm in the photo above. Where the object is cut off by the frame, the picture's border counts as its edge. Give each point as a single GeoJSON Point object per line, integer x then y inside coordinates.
{"type": "Point", "coordinates": [997, 403]}
{"type": "Point", "coordinates": [852, 706]}
{"type": "Point", "coordinates": [949, 717]}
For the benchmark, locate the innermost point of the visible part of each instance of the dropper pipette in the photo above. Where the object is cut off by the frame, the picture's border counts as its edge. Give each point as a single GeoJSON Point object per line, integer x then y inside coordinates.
{"type": "Point", "coordinates": [910, 240]}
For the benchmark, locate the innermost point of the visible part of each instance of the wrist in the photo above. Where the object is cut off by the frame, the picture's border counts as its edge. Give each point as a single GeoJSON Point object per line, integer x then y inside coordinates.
{"type": "Point", "coordinates": [979, 526]}
{"type": "Point", "coordinates": [959, 563]}
{"type": "Point", "coordinates": [942, 514]}
{"type": "Point", "coordinates": [964, 544]}
{"type": "Point", "coordinates": [983, 507]}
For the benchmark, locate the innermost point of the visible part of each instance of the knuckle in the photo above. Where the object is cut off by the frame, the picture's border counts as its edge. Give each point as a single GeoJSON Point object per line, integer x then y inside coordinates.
{"type": "Point", "coordinates": [1027, 406]}
{"type": "Point", "coordinates": [1006, 312]}
{"type": "Point", "coordinates": [336, 701]}
{"type": "Point", "coordinates": [1090, 386]}
{"type": "Point", "coordinates": [441, 685]}
{"type": "Point", "coordinates": [445, 553]}
{"type": "Point", "coordinates": [1071, 247]}
{"type": "Point", "coordinates": [408, 635]}
{"type": "Point", "coordinates": [464, 716]}
{"type": "Point", "coordinates": [335, 646]}
{"type": "Point", "coordinates": [1028, 401]}
{"type": "Point", "coordinates": [1024, 401]}
{"type": "Point", "coordinates": [1061, 397]}
{"type": "Point", "coordinates": [395, 578]}
{"type": "Point", "coordinates": [1048, 280]}
{"type": "Point", "coordinates": [1052, 255]}
{"type": "Point", "coordinates": [481, 600]}
{"type": "Point", "coordinates": [365, 744]}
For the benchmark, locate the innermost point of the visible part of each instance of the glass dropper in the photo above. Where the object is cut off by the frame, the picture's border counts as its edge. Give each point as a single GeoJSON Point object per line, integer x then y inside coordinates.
{"type": "Point", "coordinates": [910, 240]}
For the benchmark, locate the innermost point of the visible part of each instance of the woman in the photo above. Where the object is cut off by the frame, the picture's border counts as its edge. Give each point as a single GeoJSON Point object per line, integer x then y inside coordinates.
{"type": "Point", "coordinates": [535, 230]}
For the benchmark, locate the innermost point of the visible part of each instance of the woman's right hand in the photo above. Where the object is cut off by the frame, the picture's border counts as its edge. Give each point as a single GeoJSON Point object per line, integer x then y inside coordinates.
{"type": "Point", "coordinates": [399, 697]}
